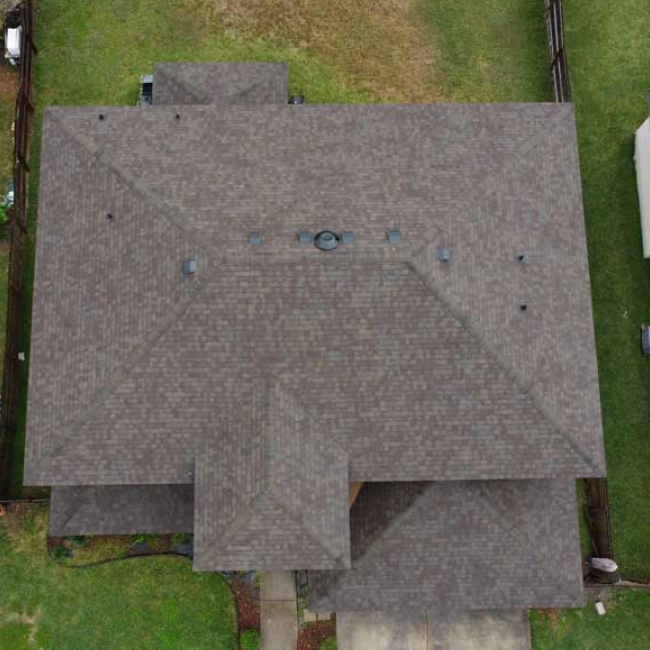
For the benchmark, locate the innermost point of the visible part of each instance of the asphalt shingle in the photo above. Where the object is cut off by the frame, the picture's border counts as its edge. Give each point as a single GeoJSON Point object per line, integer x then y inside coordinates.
{"type": "Point", "coordinates": [466, 545]}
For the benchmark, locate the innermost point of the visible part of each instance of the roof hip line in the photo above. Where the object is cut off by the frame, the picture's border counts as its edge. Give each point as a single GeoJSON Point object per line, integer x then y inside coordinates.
{"type": "Point", "coordinates": [420, 272]}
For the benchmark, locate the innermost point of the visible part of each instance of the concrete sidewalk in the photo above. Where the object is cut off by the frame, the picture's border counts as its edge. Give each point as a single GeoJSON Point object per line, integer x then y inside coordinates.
{"type": "Point", "coordinates": [279, 611]}
{"type": "Point", "coordinates": [380, 631]}
{"type": "Point", "coordinates": [507, 630]}
{"type": "Point", "coordinates": [494, 630]}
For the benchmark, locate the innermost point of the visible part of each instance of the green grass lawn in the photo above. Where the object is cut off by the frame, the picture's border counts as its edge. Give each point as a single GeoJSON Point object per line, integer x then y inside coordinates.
{"type": "Point", "coordinates": [609, 59]}
{"type": "Point", "coordinates": [156, 603]}
{"type": "Point", "coordinates": [625, 625]}
{"type": "Point", "coordinates": [490, 51]}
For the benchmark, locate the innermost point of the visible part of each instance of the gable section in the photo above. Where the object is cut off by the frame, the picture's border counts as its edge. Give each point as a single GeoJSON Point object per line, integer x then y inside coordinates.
{"type": "Point", "coordinates": [220, 83]}
{"type": "Point", "coordinates": [266, 538]}
{"type": "Point", "coordinates": [103, 284]}
{"type": "Point", "coordinates": [271, 492]}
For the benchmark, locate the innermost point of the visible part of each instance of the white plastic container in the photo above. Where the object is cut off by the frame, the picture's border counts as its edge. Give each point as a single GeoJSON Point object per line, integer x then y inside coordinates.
{"type": "Point", "coordinates": [642, 161]}
{"type": "Point", "coordinates": [13, 41]}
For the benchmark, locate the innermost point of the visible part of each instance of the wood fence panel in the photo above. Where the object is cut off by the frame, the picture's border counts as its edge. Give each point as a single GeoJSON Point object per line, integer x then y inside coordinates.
{"type": "Point", "coordinates": [18, 233]}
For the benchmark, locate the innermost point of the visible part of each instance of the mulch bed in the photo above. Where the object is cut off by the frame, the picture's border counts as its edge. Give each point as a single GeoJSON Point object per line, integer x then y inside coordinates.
{"type": "Point", "coordinates": [311, 637]}
{"type": "Point", "coordinates": [248, 605]}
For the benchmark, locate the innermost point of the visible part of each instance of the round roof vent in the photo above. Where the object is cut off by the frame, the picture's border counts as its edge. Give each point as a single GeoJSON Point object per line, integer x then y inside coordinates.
{"type": "Point", "coordinates": [327, 240]}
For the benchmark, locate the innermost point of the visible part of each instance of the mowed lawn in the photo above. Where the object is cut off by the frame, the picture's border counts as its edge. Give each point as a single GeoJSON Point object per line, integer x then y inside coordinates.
{"type": "Point", "coordinates": [151, 603]}
{"type": "Point", "coordinates": [624, 627]}
{"type": "Point", "coordinates": [609, 57]}
{"type": "Point", "coordinates": [426, 51]}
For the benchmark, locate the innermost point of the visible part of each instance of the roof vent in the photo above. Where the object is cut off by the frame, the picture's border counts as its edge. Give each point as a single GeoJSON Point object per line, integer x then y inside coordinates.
{"type": "Point", "coordinates": [304, 237]}
{"type": "Point", "coordinates": [523, 306]}
{"type": "Point", "coordinates": [443, 254]}
{"type": "Point", "coordinates": [190, 266]}
{"type": "Point", "coordinates": [394, 236]}
{"type": "Point", "coordinates": [348, 237]}
{"type": "Point", "coordinates": [255, 238]}
{"type": "Point", "coordinates": [327, 240]}
{"type": "Point", "coordinates": [522, 258]}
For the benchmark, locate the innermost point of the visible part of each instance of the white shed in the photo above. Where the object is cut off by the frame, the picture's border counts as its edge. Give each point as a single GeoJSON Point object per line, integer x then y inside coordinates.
{"type": "Point", "coordinates": [13, 37]}
{"type": "Point", "coordinates": [642, 160]}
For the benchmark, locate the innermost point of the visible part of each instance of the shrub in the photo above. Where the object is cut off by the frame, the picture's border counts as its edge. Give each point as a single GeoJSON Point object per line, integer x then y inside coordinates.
{"type": "Point", "coordinates": [4, 221]}
{"type": "Point", "coordinates": [328, 644]}
{"type": "Point", "coordinates": [60, 553]}
{"type": "Point", "coordinates": [250, 640]}
{"type": "Point", "coordinates": [142, 538]}
{"type": "Point", "coordinates": [178, 539]}
{"type": "Point", "coordinates": [77, 541]}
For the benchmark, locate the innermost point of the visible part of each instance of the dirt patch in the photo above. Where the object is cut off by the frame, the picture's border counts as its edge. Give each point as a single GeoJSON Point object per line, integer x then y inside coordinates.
{"type": "Point", "coordinates": [247, 601]}
{"type": "Point", "coordinates": [8, 82]}
{"type": "Point", "coordinates": [553, 616]}
{"type": "Point", "coordinates": [381, 47]}
{"type": "Point", "coordinates": [312, 636]}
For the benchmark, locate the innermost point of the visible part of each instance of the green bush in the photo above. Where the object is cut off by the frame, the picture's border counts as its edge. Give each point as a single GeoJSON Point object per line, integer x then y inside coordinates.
{"type": "Point", "coordinates": [180, 538]}
{"type": "Point", "coordinates": [60, 553]}
{"type": "Point", "coordinates": [4, 221]}
{"type": "Point", "coordinates": [328, 644]}
{"type": "Point", "coordinates": [250, 640]}
{"type": "Point", "coordinates": [77, 541]}
{"type": "Point", "coordinates": [143, 538]}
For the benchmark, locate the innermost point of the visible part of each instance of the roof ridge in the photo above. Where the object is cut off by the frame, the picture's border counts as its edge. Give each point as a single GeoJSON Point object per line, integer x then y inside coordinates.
{"type": "Point", "coordinates": [276, 382]}
{"type": "Point", "coordinates": [238, 521]}
{"type": "Point", "coordinates": [127, 368]}
{"type": "Point", "coordinates": [129, 365]}
{"type": "Point", "coordinates": [336, 577]}
{"type": "Point", "coordinates": [477, 190]}
{"type": "Point", "coordinates": [147, 195]}
{"type": "Point", "coordinates": [418, 269]}
{"type": "Point", "coordinates": [307, 529]}
{"type": "Point", "coordinates": [189, 88]}
{"type": "Point", "coordinates": [78, 505]}
{"type": "Point", "coordinates": [527, 545]}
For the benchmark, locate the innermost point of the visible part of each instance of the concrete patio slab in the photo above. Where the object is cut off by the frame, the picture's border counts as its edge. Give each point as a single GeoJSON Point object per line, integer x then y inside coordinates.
{"type": "Point", "coordinates": [494, 630]}
{"type": "Point", "coordinates": [279, 585]}
{"type": "Point", "coordinates": [380, 631]}
{"type": "Point", "coordinates": [279, 611]}
{"type": "Point", "coordinates": [279, 625]}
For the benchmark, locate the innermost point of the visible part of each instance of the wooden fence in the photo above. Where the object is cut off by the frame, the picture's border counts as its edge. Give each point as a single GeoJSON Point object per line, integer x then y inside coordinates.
{"type": "Point", "coordinates": [596, 488]}
{"type": "Point", "coordinates": [559, 65]}
{"type": "Point", "coordinates": [13, 364]}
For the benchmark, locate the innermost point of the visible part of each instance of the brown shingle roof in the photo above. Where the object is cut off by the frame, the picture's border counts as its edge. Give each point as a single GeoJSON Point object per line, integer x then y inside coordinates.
{"type": "Point", "coordinates": [420, 369]}
{"type": "Point", "coordinates": [458, 545]}
{"type": "Point", "coordinates": [121, 509]}
{"type": "Point", "coordinates": [220, 83]}
{"type": "Point", "coordinates": [271, 490]}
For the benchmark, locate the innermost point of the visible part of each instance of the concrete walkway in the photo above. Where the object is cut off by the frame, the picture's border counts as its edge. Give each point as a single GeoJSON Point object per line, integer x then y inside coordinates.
{"type": "Point", "coordinates": [452, 631]}
{"type": "Point", "coordinates": [481, 631]}
{"type": "Point", "coordinates": [278, 608]}
{"type": "Point", "coordinates": [380, 631]}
